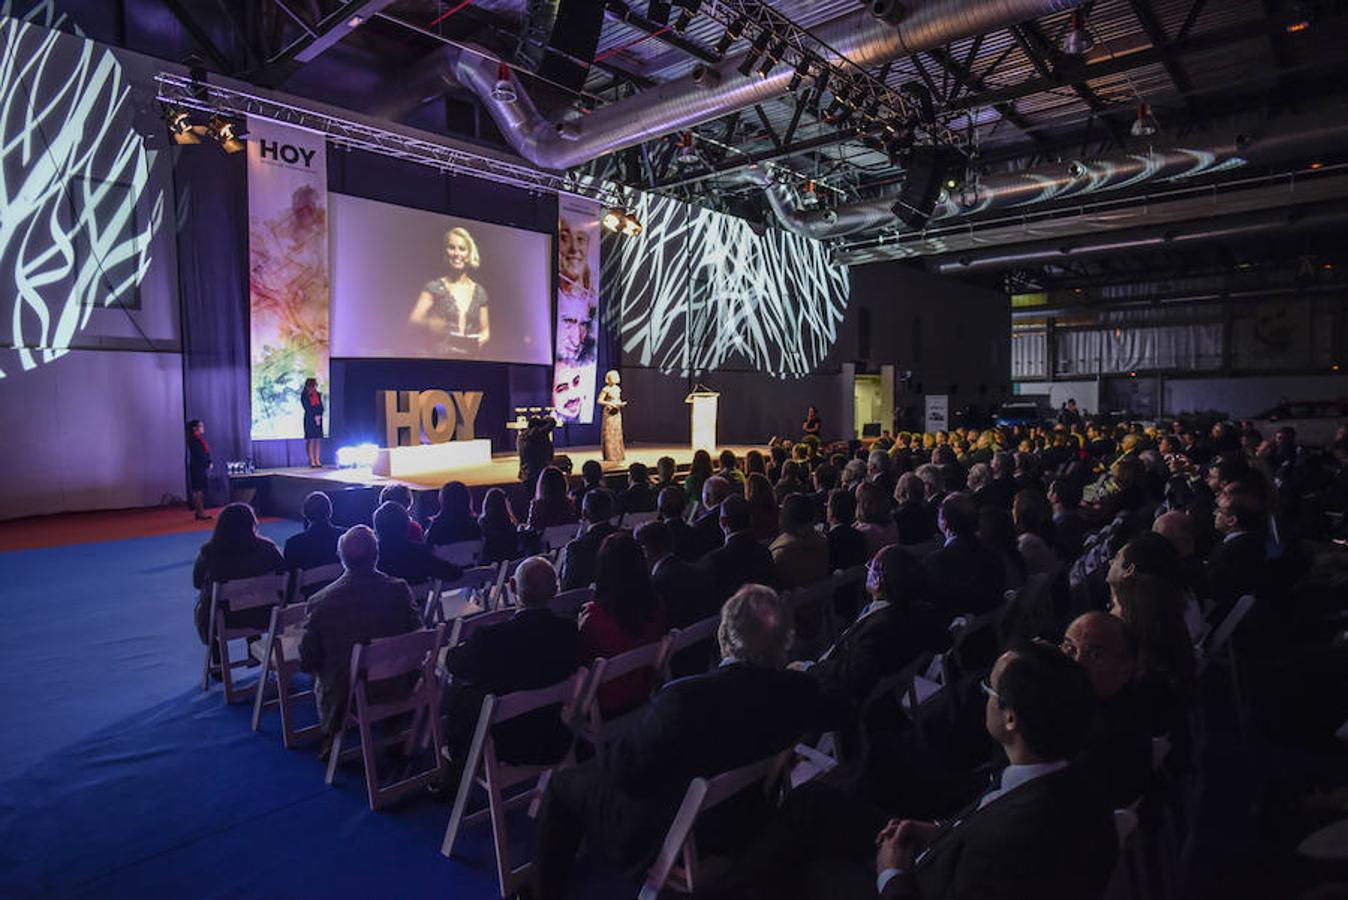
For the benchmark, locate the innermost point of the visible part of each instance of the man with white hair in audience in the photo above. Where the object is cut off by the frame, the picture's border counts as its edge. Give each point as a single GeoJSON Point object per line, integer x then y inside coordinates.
{"type": "Point", "coordinates": [746, 710]}
{"type": "Point", "coordinates": [707, 534]}
{"type": "Point", "coordinates": [879, 471]}
{"type": "Point", "coordinates": [362, 605]}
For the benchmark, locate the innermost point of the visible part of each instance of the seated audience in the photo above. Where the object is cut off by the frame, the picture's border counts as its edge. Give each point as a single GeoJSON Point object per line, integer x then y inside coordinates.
{"type": "Point", "coordinates": [316, 545]}
{"type": "Point", "coordinates": [744, 711]}
{"type": "Point", "coordinates": [591, 478]}
{"type": "Point", "coordinates": [762, 508]}
{"type": "Point", "coordinates": [913, 518]}
{"type": "Point", "coordinates": [876, 517]}
{"type": "Point", "coordinates": [402, 557]}
{"type": "Point", "coordinates": [730, 472]}
{"type": "Point", "coordinates": [669, 509]}
{"type": "Point", "coordinates": [578, 555]}
{"type": "Point", "coordinates": [234, 551]}
{"type": "Point", "coordinates": [1236, 565]}
{"type": "Point", "coordinates": [500, 532]}
{"type": "Point", "coordinates": [550, 506]}
{"type": "Point", "coordinates": [846, 549]}
{"type": "Point", "coordinates": [879, 472]}
{"type": "Point", "coordinates": [637, 497]}
{"type": "Point", "coordinates": [740, 560]}
{"type": "Point", "coordinates": [362, 605]}
{"type": "Point", "coordinates": [825, 480]}
{"type": "Point", "coordinates": [1030, 513]}
{"type": "Point", "coordinates": [1181, 531]}
{"type": "Point", "coordinates": [793, 480]}
{"type": "Point", "coordinates": [664, 474]}
{"type": "Point", "coordinates": [401, 494]}
{"type": "Point", "coordinates": [1069, 529]}
{"type": "Point", "coordinates": [998, 533]}
{"type": "Point", "coordinates": [698, 473]}
{"type": "Point", "coordinates": [965, 575]}
{"type": "Point", "coordinates": [680, 587]}
{"type": "Point", "coordinates": [623, 615]}
{"type": "Point", "coordinates": [707, 534]}
{"type": "Point", "coordinates": [800, 553]}
{"type": "Point", "coordinates": [456, 520]}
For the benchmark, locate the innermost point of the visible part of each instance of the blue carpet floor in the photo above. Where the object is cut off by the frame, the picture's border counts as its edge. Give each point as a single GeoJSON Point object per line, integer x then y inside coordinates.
{"type": "Point", "coordinates": [120, 778]}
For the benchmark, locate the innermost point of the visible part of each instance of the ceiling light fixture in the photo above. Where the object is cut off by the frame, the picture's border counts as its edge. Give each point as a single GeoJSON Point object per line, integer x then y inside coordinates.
{"type": "Point", "coordinates": [612, 219]}
{"type": "Point", "coordinates": [1145, 125]}
{"type": "Point", "coordinates": [802, 70]}
{"type": "Point", "coordinates": [760, 44]}
{"type": "Point", "coordinates": [1078, 41]}
{"type": "Point", "coordinates": [181, 128]}
{"type": "Point", "coordinates": [685, 154]}
{"type": "Point", "coordinates": [631, 226]}
{"type": "Point", "coordinates": [226, 133]}
{"type": "Point", "coordinates": [503, 91]}
{"type": "Point", "coordinates": [775, 55]}
{"type": "Point", "coordinates": [730, 36]}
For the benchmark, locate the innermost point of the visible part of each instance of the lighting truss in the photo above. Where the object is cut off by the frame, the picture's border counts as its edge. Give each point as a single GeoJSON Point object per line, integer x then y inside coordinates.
{"type": "Point", "coordinates": [210, 98]}
{"type": "Point", "coordinates": [873, 100]}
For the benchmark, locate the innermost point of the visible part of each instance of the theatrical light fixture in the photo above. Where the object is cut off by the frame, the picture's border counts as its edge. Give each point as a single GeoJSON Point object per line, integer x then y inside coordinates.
{"type": "Point", "coordinates": [760, 44]}
{"type": "Point", "coordinates": [181, 127]}
{"type": "Point", "coordinates": [1296, 17]}
{"type": "Point", "coordinates": [685, 154]}
{"type": "Point", "coordinates": [683, 21]}
{"type": "Point", "coordinates": [731, 35]}
{"type": "Point", "coordinates": [1145, 125]}
{"type": "Point", "coordinates": [774, 56]}
{"type": "Point", "coordinates": [226, 133]}
{"type": "Point", "coordinates": [612, 219]}
{"type": "Point", "coordinates": [631, 227]}
{"type": "Point", "coordinates": [1078, 40]}
{"type": "Point", "coordinates": [809, 198]}
{"type": "Point", "coordinates": [503, 91]}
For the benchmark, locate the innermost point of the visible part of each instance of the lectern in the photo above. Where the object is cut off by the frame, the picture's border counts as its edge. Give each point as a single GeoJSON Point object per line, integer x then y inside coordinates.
{"type": "Point", "coordinates": [704, 404]}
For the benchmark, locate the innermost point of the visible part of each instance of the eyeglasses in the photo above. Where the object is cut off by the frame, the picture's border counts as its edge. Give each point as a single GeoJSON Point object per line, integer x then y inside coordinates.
{"type": "Point", "coordinates": [986, 687]}
{"type": "Point", "coordinates": [1081, 654]}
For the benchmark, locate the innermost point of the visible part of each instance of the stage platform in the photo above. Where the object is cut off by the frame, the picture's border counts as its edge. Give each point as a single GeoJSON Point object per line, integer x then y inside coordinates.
{"type": "Point", "coordinates": [354, 492]}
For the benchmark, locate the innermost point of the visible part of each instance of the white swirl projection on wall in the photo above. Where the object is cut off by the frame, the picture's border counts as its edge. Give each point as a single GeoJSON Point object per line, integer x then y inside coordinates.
{"type": "Point", "coordinates": [698, 291]}
{"type": "Point", "coordinates": [72, 171]}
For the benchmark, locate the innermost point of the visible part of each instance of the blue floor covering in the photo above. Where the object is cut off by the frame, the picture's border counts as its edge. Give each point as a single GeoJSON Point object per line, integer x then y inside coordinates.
{"type": "Point", "coordinates": [120, 778]}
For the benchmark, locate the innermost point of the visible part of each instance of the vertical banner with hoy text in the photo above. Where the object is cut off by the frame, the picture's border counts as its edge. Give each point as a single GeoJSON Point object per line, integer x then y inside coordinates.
{"type": "Point", "coordinates": [573, 381]}
{"type": "Point", "coordinates": [288, 273]}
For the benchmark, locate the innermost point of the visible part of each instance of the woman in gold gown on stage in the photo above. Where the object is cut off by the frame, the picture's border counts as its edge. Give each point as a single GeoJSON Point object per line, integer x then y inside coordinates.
{"type": "Point", "coordinates": [612, 402]}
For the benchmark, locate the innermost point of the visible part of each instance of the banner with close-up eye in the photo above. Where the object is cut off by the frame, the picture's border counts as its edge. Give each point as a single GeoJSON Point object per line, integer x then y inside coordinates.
{"type": "Point", "coordinates": [573, 382]}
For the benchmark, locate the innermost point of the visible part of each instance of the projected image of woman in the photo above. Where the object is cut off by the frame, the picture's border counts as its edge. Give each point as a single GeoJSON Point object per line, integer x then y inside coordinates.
{"type": "Point", "coordinates": [454, 306]}
{"type": "Point", "coordinates": [576, 298]}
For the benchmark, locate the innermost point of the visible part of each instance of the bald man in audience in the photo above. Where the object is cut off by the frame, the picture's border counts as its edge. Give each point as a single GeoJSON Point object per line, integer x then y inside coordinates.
{"type": "Point", "coordinates": [362, 605]}
{"type": "Point", "coordinates": [707, 535]}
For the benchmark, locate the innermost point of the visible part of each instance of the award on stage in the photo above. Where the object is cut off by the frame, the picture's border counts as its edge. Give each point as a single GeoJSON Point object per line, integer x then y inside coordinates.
{"type": "Point", "coordinates": [703, 403]}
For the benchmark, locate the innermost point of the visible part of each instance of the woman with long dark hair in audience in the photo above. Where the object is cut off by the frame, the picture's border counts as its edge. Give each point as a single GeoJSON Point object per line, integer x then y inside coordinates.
{"type": "Point", "coordinates": [875, 520]}
{"type": "Point", "coordinates": [698, 473]}
{"type": "Point", "coordinates": [755, 462]}
{"type": "Point", "coordinates": [550, 506]}
{"type": "Point", "coordinates": [762, 507]}
{"type": "Point", "coordinates": [234, 551]}
{"type": "Point", "coordinates": [500, 532]}
{"type": "Point", "coordinates": [623, 615]}
{"type": "Point", "coordinates": [456, 521]}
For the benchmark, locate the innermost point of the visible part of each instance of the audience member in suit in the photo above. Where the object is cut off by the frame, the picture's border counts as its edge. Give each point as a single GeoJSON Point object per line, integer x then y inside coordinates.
{"type": "Point", "coordinates": [455, 522]}
{"type": "Point", "coordinates": [680, 587]}
{"type": "Point", "coordinates": [914, 519]}
{"type": "Point", "coordinates": [591, 478]}
{"type": "Point", "coordinates": [578, 556]}
{"type": "Point", "coordinates": [825, 480]}
{"type": "Point", "coordinates": [1003, 484]}
{"type": "Point", "coordinates": [402, 558]}
{"type": "Point", "coordinates": [707, 534]}
{"type": "Point", "coordinates": [880, 472]}
{"type": "Point", "coordinates": [763, 512]}
{"type": "Point", "coordinates": [1180, 529]}
{"type": "Point", "coordinates": [1030, 514]}
{"type": "Point", "coordinates": [637, 497]}
{"type": "Point", "coordinates": [1069, 529]}
{"type": "Point", "coordinates": [744, 711]}
{"type": "Point", "coordinates": [234, 551]}
{"type": "Point", "coordinates": [965, 575]}
{"type": "Point", "coordinates": [664, 474]}
{"type": "Point", "coordinates": [730, 472]}
{"type": "Point", "coordinates": [800, 552]}
{"type": "Point", "coordinates": [401, 494]}
{"type": "Point", "coordinates": [1118, 749]}
{"type": "Point", "coordinates": [316, 545]}
{"type": "Point", "coordinates": [500, 533]}
{"type": "Point", "coordinates": [1045, 831]}
{"type": "Point", "coordinates": [980, 487]}
{"type": "Point", "coordinates": [533, 649]}
{"type": "Point", "coordinates": [550, 506]}
{"type": "Point", "coordinates": [893, 630]}
{"type": "Point", "coordinates": [625, 614]}
{"type": "Point", "coordinates": [740, 560]}
{"type": "Point", "coordinates": [875, 512]}
{"type": "Point", "coordinates": [362, 605]}
{"type": "Point", "coordinates": [1236, 565]}
{"type": "Point", "coordinates": [846, 549]}
{"type": "Point", "coordinates": [669, 506]}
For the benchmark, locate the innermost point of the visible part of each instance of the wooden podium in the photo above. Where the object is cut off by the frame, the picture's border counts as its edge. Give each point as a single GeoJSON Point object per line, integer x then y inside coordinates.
{"type": "Point", "coordinates": [704, 403]}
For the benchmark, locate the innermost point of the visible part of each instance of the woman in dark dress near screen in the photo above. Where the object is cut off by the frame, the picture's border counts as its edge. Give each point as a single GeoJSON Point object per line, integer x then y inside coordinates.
{"type": "Point", "coordinates": [198, 465]}
{"type": "Point", "coordinates": [454, 306]}
{"type": "Point", "coordinates": [312, 401]}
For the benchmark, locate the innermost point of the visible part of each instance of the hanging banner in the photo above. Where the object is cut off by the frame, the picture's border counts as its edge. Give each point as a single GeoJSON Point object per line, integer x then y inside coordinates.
{"type": "Point", "coordinates": [288, 274]}
{"type": "Point", "coordinates": [573, 381]}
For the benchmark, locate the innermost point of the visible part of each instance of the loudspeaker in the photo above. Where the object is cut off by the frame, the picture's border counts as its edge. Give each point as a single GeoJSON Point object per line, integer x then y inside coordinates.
{"type": "Point", "coordinates": [923, 174]}
{"type": "Point", "coordinates": [569, 26]}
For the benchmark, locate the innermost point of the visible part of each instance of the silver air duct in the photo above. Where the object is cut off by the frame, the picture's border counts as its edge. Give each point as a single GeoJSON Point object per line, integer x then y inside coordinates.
{"type": "Point", "coordinates": [1300, 137]}
{"type": "Point", "coordinates": [685, 102]}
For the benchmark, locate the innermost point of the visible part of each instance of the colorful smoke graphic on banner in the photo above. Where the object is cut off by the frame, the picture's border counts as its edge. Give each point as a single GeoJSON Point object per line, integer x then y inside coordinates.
{"type": "Point", "coordinates": [573, 380]}
{"type": "Point", "coordinates": [288, 273]}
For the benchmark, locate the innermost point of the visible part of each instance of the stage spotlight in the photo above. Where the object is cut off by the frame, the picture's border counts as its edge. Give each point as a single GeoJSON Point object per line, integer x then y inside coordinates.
{"type": "Point", "coordinates": [730, 36]}
{"type": "Point", "coordinates": [801, 73]}
{"type": "Point", "coordinates": [181, 128]}
{"type": "Point", "coordinates": [686, 154]}
{"type": "Point", "coordinates": [922, 97]}
{"type": "Point", "coordinates": [809, 198]}
{"type": "Point", "coordinates": [760, 44]}
{"type": "Point", "coordinates": [612, 220]}
{"type": "Point", "coordinates": [1078, 40]}
{"type": "Point", "coordinates": [226, 133]}
{"type": "Point", "coordinates": [683, 21]}
{"type": "Point", "coordinates": [775, 55]}
{"type": "Point", "coordinates": [1145, 125]}
{"type": "Point", "coordinates": [503, 91]}
{"type": "Point", "coordinates": [361, 456]}
{"type": "Point", "coordinates": [1296, 17]}
{"type": "Point", "coordinates": [631, 226]}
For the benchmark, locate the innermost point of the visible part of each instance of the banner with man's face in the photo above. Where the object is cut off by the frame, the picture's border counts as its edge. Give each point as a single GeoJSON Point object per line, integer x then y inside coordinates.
{"type": "Point", "coordinates": [573, 374]}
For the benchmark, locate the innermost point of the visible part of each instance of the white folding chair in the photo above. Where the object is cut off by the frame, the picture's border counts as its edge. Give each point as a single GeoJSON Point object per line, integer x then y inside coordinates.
{"type": "Point", "coordinates": [228, 597]}
{"type": "Point", "coordinates": [690, 636]}
{"type": "Point", "coordinates": [500, 594]}
{"type": "Point", "coordinates": [425, 593]}
{"type": "Point", "coordinates": [1221, 649]}
{"type": "Point", "coordinates": [567, 604]}
{"type": "Point", "coordinates": [1129, 869]}
{"type": "Point", "coordinates": [317, 576]}
{"type": "Point", "coordinates": [463, 554]}
{"type": "Point", "coordinates": [412, 655]}
{"type": "Point", "coordinates": [555, 537]}
{"type": "Point", "coordinates": [482, 768]}
{"type": "Point", "coordinates": [677, 864]}
{"type": "Point", "coordinates": [590, 724]}
{"type": "Point", "coordinates": [279, 653]}
{"type": "Point", "coordinates": [469, 593]}
{"type": "Point", "coordinates": [464, 627]}
{"type": "Point", "coordinates": [634, 520]}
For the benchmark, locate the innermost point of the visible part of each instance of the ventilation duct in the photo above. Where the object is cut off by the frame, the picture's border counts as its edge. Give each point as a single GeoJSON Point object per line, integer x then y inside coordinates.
{"type": "Point", "coordinates": [685, 102]}
{"type": "Point", "coordinates": [1287, 139]}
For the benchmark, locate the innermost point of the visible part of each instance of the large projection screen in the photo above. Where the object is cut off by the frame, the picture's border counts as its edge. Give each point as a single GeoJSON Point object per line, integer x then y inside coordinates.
{"type": "Point", "coordinates": [407, 283]}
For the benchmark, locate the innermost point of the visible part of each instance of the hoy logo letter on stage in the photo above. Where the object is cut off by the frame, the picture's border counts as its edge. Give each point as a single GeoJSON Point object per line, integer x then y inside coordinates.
{"type": "Point", "coordinates": [428, 417]}
{"type": "Point", "coordinates": [286, 153]}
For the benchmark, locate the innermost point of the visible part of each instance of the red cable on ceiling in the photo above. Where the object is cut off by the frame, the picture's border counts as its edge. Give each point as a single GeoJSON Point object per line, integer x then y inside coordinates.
{"type": "Point", "coordinates": [607, 53]}
{"type": "Point", "coordinates": [445, 15]}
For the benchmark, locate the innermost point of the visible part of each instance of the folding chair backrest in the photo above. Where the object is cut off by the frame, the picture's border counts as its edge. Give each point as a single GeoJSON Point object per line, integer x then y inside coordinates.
{"type": "Point", "coordinates": [461, 553]}
{"type": "Point", "coordinates": [1224, 631]}
{"type": "Point", "coordinates": [813, 593]}
{"type": "Point", "coordinates": [457, 596]}
{"type": "Point", "coordinates": [250, 593]}
{"type": "Point", "coordinates": [318, 575]}
{"type": "Point", "coordinates": [702, 630]}
{"type": "Point", "coordinates": [467, 626]}
{"type": "Point", "coordinates": [402, 654]}
{"type": "Point", "coordinates": [649, 656]}
{"type": "Point", "coordinates": [558, 536]}
{"type": "Point", "coordinates": [567, 604]}
{"type": "Point", "coordinates": [635, 520]}
{"type": "Point", "coordinates": [284, 617]}
{"type": "Point", "coordinates": [726, 785]}
{"type": "Point", "coordinates": [853, 575]}
{"type": "Point", "coordinates": [567, 693]}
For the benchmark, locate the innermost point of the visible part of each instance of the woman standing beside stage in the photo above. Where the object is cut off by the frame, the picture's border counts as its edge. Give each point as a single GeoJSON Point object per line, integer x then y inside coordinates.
{"type": "Point", "coordinates": [611, 437]}
{"type": "Point", "coordinates": [312, 401]}
{"type": "Point", "coordinates": [198, 465]}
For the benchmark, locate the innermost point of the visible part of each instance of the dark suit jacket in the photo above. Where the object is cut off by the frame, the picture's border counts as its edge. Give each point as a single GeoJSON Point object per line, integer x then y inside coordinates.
{"type": "Point", "coordinates": [638, 498]}
{"type": "Point", "coordinates": [741, 560]}
{"type": "Point", "coordinates": [413, 561]}
{"type": "Point", "coordinates": [533, 649]}
{"type": "Point", "coordinates": [684, 591]}
{"type": "Point", "coordinates": [1051, 839]}
{"type": "Point", "coordinates": [916, 522]}
{"type": "Point", "coordinates": [354, 609]}
{"type": "Point", "coordinates": [314, 546]}
{"type": "Point", "coordinates": [875, 646]}
{"type": "Point", "coordinates": [965, 577]}
{"type": "Point", "coordinates": [1234, 569]}
{"type": "Point", "coordinates": [1069, 533]}
{"type": "Point", "coordinates": [697, 726]}
{"type": "Point", "coordinates": [707, 534]}
{"type": "Point", "coordinates": [684, 538]}
{"type": "Point", "coordinates": [846, 548]}
{"type": "Point", "coordinates": [1118, 753]}
{"type": "Point", "coordinates": [578, 557]}
{"type": "Point", "coordinates": [445, 530]}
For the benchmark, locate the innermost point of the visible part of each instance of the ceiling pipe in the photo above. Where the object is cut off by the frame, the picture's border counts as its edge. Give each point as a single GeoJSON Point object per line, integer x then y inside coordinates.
{"type": "Point", "coordinates": [686, 102]}
{"type": "Point", "coordinates": [1271, 142]}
